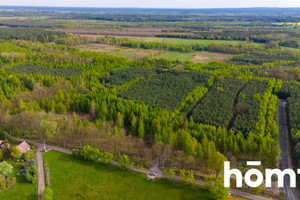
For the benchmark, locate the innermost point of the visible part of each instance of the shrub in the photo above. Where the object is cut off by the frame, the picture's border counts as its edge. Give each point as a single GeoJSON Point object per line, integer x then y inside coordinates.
{"type": "Point", "coordinates": [16, 152]}
{"type": "Point", "coordinates": [31, 174]}
{"type": "Point", "coordinates": [48, 194]}
{"type": "Point", "coordinates": [77, 153]}
{"type": "Point", "coordinates": [2, 183]}
{"type": "Point", "coordinates": [90, 153]}
{"type": "Point", "coordinates": [6, 153]}
{"type": "Point", "coordinates": [125, 161]}
{"type": "Point", "coordinates": [29, 155]}
{"type": "Point", "coordinates": [10, 182]}
{"type": "Point", "coordinates": [5, 168]}
{"type": "Point", "coordinates": [107, 157]}
{"type": "Point", "coordinates": [219, 192]}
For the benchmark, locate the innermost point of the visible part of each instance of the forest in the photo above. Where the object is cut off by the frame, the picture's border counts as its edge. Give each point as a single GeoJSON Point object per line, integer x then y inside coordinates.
{"type": "Point", "coordinates": [220, 103]}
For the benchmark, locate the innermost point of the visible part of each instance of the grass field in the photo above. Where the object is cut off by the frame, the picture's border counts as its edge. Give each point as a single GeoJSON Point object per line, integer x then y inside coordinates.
{"type": "Point", "coordinates": [21, 190]}
{"type": "Point", "coordinates": [185, 41]}
{"type": "Point", "coordinates": [134, 54]}
{"type": "Point", "coordinates": [71, 178]}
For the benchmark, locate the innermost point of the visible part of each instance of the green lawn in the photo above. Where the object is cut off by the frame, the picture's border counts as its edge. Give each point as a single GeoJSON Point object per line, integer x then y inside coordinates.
{"type": "Point", "coordinates": [71, 178]}
{"type": "Point", "coordinates": [21, 190]}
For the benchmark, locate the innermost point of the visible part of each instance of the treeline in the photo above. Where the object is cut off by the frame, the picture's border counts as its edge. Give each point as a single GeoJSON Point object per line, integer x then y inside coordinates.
{"type": "Point", "coordinates": [29, 69]}
{"type": "Point", "coordinates": [291, 92]}
{"type": "Point", "coordinates": [255, 35]}
{"type": "Point", "coordinates": [266, 126]}
{"type": "Point", "coordinates": [248, 105]}
{"type": "Point", "coordinates": [33, 34]}
{"type": "Point", "coordinates": [269, 58]}
{"type": "Point", "coordinates": [33, 23]}
{"type": "Point", "coordinates": [213, 47]}
{"type": "Point", "coordinates": [72, 40]}
{"type": "Point", "coordinates": [194, 96]}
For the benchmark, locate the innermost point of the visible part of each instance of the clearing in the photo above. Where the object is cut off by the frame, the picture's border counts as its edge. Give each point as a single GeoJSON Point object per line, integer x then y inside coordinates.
{"type": "Point", "coordinates": [136, 53]}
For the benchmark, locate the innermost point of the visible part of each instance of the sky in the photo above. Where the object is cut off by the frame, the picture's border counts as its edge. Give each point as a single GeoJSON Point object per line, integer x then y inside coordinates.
{"type": "Point", "coordinates": [155, 3]}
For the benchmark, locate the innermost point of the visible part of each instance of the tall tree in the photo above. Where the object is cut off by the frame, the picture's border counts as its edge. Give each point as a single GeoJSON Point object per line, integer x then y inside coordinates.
{"type": "Point", "coordinates": [48, 129]}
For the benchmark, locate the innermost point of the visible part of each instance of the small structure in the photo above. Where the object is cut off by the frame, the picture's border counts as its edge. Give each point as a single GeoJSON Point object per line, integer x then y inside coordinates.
{"type": "Point", "coordinates": [24, 147]}
{"type": "Point", "coordinates": [2, 144]}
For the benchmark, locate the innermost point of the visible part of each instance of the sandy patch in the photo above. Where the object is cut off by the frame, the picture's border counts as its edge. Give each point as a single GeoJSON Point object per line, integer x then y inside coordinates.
{"type": "Point", "coordinates": [95, 47]}
{"type": "Point", "coordinates": [142, 54]}
{"type": "Point", "coordinates": [206, 57]}
{"type": "Point", "coordinates": [199, 57]}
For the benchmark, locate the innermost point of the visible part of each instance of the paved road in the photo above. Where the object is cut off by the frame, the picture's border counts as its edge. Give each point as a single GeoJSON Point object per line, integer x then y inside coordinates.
{"type": "Point", "coordinates": [284, 148]}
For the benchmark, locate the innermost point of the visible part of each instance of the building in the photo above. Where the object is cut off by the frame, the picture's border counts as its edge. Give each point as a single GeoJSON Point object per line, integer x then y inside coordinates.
{"type": "Point", "coordinates": [2, 144]}
{"type": "Point", "coordinates": [24, 147]}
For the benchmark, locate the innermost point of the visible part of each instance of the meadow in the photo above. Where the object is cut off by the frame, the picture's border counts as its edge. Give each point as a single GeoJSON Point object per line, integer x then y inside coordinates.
{"type": "Point", "coordinates": [71, 178]}
{"type": "Point", "coordinates": [177, 41]}
{"type": "Point", "coordinates": [136, 53]}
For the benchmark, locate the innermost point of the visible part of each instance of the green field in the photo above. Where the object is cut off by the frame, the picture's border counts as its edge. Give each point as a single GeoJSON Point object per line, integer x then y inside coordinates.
{"type": "Point", "coordinates": [71, 178]}
{"type": "Point", "coordinates": [135, 53]}
{"type": "Point", "coordinates": [177, 41]}
{"type": "Point", "coordinates": [21, 190]}
{"type": "Point", "coordinates": [171, 55]}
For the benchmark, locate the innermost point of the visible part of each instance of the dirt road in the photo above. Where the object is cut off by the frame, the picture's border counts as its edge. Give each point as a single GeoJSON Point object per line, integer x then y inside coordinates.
{"type": "Point", "coordinates": [40, 167]}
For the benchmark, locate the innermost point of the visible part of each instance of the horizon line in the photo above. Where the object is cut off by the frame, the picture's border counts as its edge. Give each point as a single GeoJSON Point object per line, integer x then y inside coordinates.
{"type": "Point", "coordinates": [36, 6]}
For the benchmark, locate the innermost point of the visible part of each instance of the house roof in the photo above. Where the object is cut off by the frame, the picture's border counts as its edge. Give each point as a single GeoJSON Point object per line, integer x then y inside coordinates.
{"type": "Point", "coordinates": [23, 147]}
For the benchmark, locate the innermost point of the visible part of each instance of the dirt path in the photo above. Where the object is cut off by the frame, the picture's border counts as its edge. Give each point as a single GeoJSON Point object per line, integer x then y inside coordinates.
{"type": "Point", "coordinates": [40, 167]}
{"type": "Point", "coordinates": [284, 144]}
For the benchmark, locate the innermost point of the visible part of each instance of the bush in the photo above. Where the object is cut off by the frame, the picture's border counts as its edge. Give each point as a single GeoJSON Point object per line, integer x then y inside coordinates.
{"type": "Point", "coordinates": [5, 168]}
{"type": "Point", "coordinates": [77, 153]}
{"type": "Point", "coordinates": [6, 153]}
{"type": "Point", "coordinates": [31, 174]}
{"type": "Point", "coordinates": [90, 153]}
{"type": "Point", "coordinates": [16, 152]}
{"type": "Point", "coordinates": [48, 194]}
{"type": "Point", "coordinates": [10, 182]}
{"type": "Point", "coordinates": [29, 155]}
{"type": "Point", "coordinates": [219, 192]}
{"type": "Point", "coordinates": [107, 157]}
{"type": "Point", "coordinates": [125, 161]}
{"type": "Point", "coordinates": [2, 183]}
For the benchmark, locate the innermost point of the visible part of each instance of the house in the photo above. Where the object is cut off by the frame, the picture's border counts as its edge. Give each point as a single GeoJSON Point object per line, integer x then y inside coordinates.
{"type": "Point", "coordinates": [2, 144]}
{"type": "Point", "coordinates": [24, 147]}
